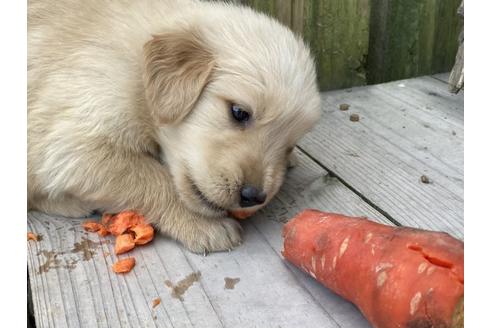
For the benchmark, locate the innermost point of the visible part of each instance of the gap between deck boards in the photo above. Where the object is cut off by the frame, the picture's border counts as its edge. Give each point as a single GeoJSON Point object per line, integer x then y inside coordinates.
{"type": "Point", "coordinates": [355, 191]}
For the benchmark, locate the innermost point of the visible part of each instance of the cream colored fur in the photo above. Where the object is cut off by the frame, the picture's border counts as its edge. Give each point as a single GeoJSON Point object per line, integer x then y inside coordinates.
{"type": "Point", "coordinates": [129, 107]}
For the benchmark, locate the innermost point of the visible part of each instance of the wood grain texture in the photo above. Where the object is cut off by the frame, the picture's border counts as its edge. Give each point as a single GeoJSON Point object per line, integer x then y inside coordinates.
{"type": "Point", "coordinates": [457, 77]}
{"type": "Point", "coordinates": [407, 129]}
{"type": "Point", "coordinates": [73, 292]}
{"type": "Point", "coordinates": [443, 77]}
{"type": "Point", "coordinates": [336, 30]}
{"type": "Point", "coordinates": [411, 38]}
{"type": "Point", "coordinates": [338, 34]}
{"type": "Point", "coordinates": [358, 42]}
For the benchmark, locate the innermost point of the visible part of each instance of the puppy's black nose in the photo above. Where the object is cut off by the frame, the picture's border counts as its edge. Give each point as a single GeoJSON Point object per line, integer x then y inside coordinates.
{"type": "Point", "coordinates": [251, 196]}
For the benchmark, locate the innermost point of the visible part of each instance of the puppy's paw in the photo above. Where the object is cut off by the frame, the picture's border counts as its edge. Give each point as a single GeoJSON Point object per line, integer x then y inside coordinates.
{"type": "Point", "coordinates": [213, 235]}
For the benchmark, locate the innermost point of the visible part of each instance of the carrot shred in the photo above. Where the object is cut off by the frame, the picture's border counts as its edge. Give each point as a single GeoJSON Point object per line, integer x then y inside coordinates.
{"type": "Point", "coordinates": [106, 219]}
{"type": "Point", "coordinates": [124, 266]}
{"type": "Point", "coordinates": [241, 214]}
{"type": "Point", "coordinates": [32, 236]}
{"type": "Point", "coordinates": [124, 243]}
{"type": "Point", "coordinates": [91, 226]}
{"type": "Point", "coordinates": [144, 233]}
{"type": "Point", "coordinates": [156, 302]}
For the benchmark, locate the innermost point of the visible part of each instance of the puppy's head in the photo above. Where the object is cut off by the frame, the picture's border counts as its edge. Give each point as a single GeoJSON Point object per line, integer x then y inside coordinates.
{"type": "Point", "coordinates": [232, 92]}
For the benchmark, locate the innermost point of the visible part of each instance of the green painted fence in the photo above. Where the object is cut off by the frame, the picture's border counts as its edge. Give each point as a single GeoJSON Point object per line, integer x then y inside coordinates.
{"type": "Point", "coordinates": [358, 42]}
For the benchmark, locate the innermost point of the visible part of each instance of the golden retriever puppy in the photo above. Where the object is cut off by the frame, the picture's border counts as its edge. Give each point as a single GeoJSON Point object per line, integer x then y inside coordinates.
{"type": "Point", "coordinates": [180, 109]}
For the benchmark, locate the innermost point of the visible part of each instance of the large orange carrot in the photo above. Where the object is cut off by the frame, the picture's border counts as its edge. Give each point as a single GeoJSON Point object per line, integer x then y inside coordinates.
{"type": "Point", "coordinates": [397, 276]}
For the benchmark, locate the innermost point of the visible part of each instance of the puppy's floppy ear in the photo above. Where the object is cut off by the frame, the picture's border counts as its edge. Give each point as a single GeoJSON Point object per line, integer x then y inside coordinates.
{"type": "Point", "coordinates": [178, 65]}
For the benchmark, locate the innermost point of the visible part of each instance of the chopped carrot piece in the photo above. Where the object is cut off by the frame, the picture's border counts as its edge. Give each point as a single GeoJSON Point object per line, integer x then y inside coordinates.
{"type": "Point", "coordinates": [137, 219]}
{"type": "Point", "coordinates": [143, 233]}
{"type": "Point", "coordinates": [91, 226]}
{"type": "Point", "coordinates": [121, 223]}
{"type": "Point", "coordinates": [125, 220]}
{"type": "Point", "coordinates": [124, 243]}
{"type": "Point", "coordinates": [106, 219]}
{"type": "Point", "coordinates": [32, 236]}
{"type": "Point", "coordinates": [241, 214]}
{"type": "Point", "coordinates": [103, 231]}
{"type": "Point", "coordinates": [124, 266]}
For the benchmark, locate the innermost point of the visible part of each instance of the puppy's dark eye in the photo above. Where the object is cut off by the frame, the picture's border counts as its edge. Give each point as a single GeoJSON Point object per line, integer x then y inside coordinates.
{"type": "Point", "coordinates": [239, 114]}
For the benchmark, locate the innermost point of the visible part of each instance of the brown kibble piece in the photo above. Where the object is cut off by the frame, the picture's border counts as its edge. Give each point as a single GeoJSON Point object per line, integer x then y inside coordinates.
{"type": "Point", "coordinates": [124, 266]}
{"type": "Point", "coordinates": [143, 233]}
{"type": "Point", "coordinates": [344, 107]}
{"type": "Point", "coordinates": [124, 243]}
{"type": "Point", "coordinates": [354, 117]}
{"type": "Point", "coordinates": [156, 302]}
{"type": "Point", "coordinates": [424, 179]}
{"type": "Point", "coordinates": [32, 236]}
{"type": "Point", "coordinates": [91, 226]}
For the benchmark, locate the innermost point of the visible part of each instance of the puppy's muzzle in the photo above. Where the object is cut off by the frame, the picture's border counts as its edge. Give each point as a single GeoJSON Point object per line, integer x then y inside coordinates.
{"type": "Point", "coordinates": [251, 196]}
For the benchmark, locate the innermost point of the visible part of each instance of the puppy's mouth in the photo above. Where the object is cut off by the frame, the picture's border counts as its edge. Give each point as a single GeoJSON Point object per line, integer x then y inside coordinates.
{"type": "Point", "coordinates": [204, 199]}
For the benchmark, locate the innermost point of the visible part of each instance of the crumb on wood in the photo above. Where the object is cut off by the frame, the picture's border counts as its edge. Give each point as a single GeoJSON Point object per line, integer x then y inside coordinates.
{"type": "Point", "coordinates": [230, 283]}
{"type": "Point", "coordinates": [354, 117]}
{"type": "Point", "coordinates": [32, 236]}
{"type": "Point", "coordinates": [424, 179]}
{"type": "Point", "coordinates": [344, 107]}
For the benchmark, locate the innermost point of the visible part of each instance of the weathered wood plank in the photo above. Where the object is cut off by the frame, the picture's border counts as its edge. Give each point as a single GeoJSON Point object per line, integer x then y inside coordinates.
{"type": "Point", "coordinates": [75, 292]}
{"type": "Point", "coordinates": [444, 77]}
{"type": "Point", "coordinates": [357, 42]}
{"type": "Point", "coordinates": [457, 77]}
{"type": "Point", "coordinates": [411, 38]}
{"type": "Point", "coordinates": [337, 32]}
{"type": "Point", "coordinates": [407, 129]}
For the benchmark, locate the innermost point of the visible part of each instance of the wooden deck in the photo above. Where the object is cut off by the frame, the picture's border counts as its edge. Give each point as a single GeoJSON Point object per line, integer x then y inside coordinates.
{"type": "Point", "coordinates": [371, 168]}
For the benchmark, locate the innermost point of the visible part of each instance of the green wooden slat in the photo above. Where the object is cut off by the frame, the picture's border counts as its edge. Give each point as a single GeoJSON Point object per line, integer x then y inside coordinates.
{"type": "Point", "coordinates": [448, 29]}
{"type": "Point", "coordinates": [357, 42]}
{"type": "Point", "coordinates": [411, 38]}
{"type": "Point", "coordinates": [338, 33]}
{"type": "Point", "coordinates": [265, 6]}
{"type": "Point", "coordinates": [336, 30]}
